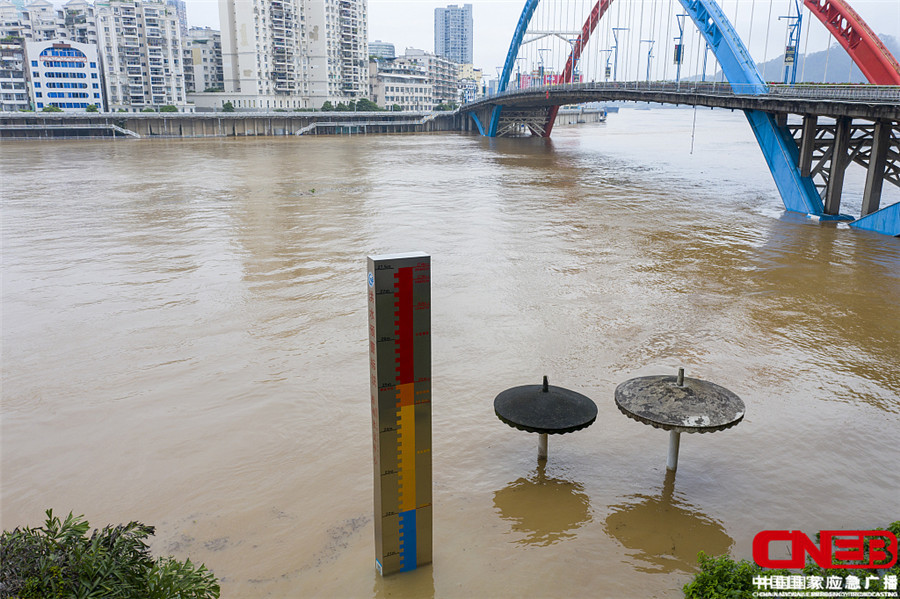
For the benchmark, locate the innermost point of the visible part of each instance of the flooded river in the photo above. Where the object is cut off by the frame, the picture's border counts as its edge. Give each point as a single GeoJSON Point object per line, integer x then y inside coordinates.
{"type": "Point", "coordinates": [184, 343]}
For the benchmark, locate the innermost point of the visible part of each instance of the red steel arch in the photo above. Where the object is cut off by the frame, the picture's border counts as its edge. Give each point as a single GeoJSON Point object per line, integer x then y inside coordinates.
{"type": "Point", "coordinates": [569, 72]}
{"type": "Point", "coordinates": [860, 42]}
{"type": "Point", "coordinates": [864, 47]}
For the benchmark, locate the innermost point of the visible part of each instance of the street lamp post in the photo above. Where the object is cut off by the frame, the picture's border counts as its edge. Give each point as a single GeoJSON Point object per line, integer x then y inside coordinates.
{"type": "Point", "coordinates": [608, 58]}
{"type": "Point", "coordinates": [795, 24]}
{"type": "Point", "coordinates": [649, 56]}
{"type": "Point", "coordinates": [679, 48]}
{"type": "Point", "coordinates": [543, 68]}
{"type": "Point", "coordinates": [615, 31]}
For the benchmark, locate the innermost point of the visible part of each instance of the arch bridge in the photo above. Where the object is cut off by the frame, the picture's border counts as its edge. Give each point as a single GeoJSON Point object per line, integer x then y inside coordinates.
{"type": "Point", "coordinates": [570, 51]}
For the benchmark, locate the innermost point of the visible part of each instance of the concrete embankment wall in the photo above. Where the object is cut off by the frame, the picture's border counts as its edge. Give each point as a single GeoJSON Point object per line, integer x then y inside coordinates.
{"type": "Point", "coordinates": [176, 125]}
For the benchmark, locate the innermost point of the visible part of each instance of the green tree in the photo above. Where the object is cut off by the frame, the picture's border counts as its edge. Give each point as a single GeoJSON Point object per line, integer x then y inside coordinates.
{"type": "Point", "coordinates": [52, 108]}
{"type": "Point", "coordinates": [148, 109]}
{"type": "Point", "coordinates": [168, 108]}
{"type": "Point", "coordinates": [366, 105]}
{"type": "Point", "coordinates": [61, 560]}
{"type": "Point", "coordinates": [228, 107]}
{"type": "Point", "coordinates": [327, 106]}
{"type": "Point", "coordinates": [92, 108]}
{"type": "Point", "coordinates": [396, 107]}
{"type": "Point", "coordinates": [341, 107]}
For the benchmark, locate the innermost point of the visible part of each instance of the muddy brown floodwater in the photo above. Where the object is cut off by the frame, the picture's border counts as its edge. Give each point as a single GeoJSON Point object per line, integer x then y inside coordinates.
{"type": "Point", "coordinates": [184, 343]}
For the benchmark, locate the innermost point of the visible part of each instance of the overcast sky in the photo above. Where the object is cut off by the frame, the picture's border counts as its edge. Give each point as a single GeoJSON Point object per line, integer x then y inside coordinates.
{"type": "Point", "coordinates": [410, 23]}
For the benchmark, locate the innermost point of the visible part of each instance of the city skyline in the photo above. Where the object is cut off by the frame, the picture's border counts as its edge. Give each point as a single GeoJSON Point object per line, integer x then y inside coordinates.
{"type": "Point", "coordinates": [495, 20]}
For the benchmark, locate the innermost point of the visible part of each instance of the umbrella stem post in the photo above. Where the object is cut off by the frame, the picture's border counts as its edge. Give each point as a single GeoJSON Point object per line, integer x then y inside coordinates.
{"type": "Point", "coordinates": [674, 443]}
{"type": "Point", "coordinates": [542, 446]}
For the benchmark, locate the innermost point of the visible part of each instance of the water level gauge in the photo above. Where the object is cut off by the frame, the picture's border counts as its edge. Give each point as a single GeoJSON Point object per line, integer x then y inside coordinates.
{"type": "Point", "coordinates": [399, 292]}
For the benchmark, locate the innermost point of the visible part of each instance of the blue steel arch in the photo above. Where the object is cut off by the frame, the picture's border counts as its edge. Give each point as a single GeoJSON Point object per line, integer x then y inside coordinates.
{"type": "Point", "coordinates": [798, 193]}
{"type": "Point", "coordinates": [518, 36]}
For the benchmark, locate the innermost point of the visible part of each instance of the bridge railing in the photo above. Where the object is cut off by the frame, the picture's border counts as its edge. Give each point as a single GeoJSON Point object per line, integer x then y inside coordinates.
{"type": "Point", "coordinates": [861, 93]}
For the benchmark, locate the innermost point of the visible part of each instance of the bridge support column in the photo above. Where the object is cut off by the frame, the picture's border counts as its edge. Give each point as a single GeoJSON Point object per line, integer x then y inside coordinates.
{"type": "Point", "coordinates": [877, 164]}
{"type": "Point", "coordinates": [798, 193]}
{"type": "Point", "coordinates": [807, 144]}
{"type": "Point", "coordinates": [838, 166]}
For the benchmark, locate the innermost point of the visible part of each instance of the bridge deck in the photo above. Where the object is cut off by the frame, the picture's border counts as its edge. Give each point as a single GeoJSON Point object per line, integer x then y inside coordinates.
{"type": "Point", "coordinates": [866, 102]}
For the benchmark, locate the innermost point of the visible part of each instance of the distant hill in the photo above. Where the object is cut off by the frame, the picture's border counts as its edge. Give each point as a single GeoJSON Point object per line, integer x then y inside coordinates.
{"type": "Point", "coordinates": [828, 66]}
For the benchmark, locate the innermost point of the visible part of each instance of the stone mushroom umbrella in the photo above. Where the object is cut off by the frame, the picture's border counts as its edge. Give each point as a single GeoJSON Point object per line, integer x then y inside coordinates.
{"type": "Point", "coordinates": [679, 405]}
{"type": "Point", "coordinates": [545, 410]}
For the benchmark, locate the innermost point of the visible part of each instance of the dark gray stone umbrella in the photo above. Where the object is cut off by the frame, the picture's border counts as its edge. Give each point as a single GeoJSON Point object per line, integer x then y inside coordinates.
{"type": "Point", "coordinates": [546, 410]}
{"type": "Point", "coordinates": [679, 405]}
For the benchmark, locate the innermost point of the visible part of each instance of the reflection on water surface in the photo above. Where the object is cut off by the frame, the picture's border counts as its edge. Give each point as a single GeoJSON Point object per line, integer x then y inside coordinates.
{"type": "Point", "coordinates": [542, 509]}
{"type": "Point", "coordinates": [663, 532]}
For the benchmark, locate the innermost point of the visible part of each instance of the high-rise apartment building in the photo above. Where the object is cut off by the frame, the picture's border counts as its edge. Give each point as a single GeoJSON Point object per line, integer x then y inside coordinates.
{"type": "Point", "coordinates": [443, 74]}
{"type": "Point", "coordinates": [12, 21]}
{"type": "Point", "coordinates": [42, 21]}
{"type": "Point", "coordinates": [141, 45]}
{"type": "Point", "coordinates": [401, 85]}
{"type": "Point", "coordinates": [80, 21]}
{"type": "Point", "coordinates": [453, 33]}
{"type": "Point", "coordinates": [294, 53]}
{"type": "Point", "coordinates": [383, 50]}
{"type": "Point", "coordinates": [180, 7]}
{"type": "Point", "coordinates": [203, 60]}
{"type": "Point", "coordinates": [13, 79]}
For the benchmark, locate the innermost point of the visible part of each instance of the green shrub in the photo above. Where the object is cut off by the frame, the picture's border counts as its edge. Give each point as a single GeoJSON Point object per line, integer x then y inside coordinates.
{"type": "Point", "coordinates": [51, 108]}
{"type": "Point", "coordinates": [722, 578]}
{"type": "Point", "coordinates": [60, 560]}
{"type": "Point", "coordinates": [168, 108]}
{"type": "Point", "coordinates": [228, 107]}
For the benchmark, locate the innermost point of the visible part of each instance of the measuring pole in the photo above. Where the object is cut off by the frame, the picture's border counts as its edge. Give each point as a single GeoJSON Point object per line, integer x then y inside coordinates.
{"type": "Point", "coordinates": [399, 292]}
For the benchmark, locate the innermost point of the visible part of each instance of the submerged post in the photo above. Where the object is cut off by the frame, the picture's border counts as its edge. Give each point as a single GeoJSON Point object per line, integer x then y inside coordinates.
{"type": "Point", "coordinates": [674, 444]}
{"type": "Point", "coordinates": [399, 293]}
{"type": "Point", "coordinates": [675, 436]}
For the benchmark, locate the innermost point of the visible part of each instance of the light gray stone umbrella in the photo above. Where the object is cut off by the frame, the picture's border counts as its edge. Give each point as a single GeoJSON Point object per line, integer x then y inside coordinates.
{"type": "Point", "coordinates": [679, 405]}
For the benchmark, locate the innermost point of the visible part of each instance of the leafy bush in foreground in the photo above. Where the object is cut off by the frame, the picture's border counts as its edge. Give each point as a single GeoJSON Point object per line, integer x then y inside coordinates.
{"type": "Point", "coordinates": [60, 560]}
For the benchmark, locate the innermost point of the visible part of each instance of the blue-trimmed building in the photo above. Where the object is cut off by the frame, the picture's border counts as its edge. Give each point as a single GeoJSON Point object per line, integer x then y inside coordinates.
{"type": "Point", "coordinates": [64, 74]}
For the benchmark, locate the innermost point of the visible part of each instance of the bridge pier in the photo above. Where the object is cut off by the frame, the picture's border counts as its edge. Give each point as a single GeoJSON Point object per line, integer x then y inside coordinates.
{"type": "Point", "coordinates": [835, 185]}
{"type": "Point", "coordinates": [877, 164]}
{"type": "Point", "coordinates": [826, 150]}
{"type": "Point", "coordinates": [807, 144]}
